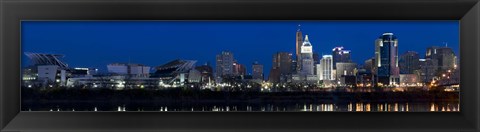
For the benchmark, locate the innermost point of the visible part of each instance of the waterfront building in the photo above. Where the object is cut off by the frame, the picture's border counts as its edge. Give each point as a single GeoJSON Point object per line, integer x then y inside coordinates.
{"type": "Point", "coordinates": [408, 62]}
{"type": "Point", "coordinates": [257, 71]}
{"type": "Point", "coordinates": [409, 80]}
{"type": "Point", "coordinates": [364, 78]}
{"type": "Point", "coordinates": [386, 60]}
{"type": "Point", "coordinates": [224, 65]}
{"type": "Point", "coordinates": [339, 54]}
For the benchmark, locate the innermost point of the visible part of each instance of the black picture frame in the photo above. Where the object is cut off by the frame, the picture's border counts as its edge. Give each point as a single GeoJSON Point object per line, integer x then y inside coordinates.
{"type": "Point", "coordinates": [13, 11]}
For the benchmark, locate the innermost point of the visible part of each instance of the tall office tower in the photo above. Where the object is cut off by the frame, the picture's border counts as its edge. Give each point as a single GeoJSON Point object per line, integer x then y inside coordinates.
{"type": "Point", "coordinates": [239, 69]}
{"type": "Point", "coordinates": [307, 57]}
{"type": "Point", "coordinates": [340, 55]}
{"type": "Point", "coordinates": [386, 59]}
{"type": "Point", "coordinates": [257, 70]}
{"type": "Point", "coordinates": [224, 65]}
{"type": "Point", "coordinates": [283, 61]}
{"type": "Point", "coordinates": [428, 69]}
{"type": "Point", "coordinates": [294, 66]}
{"type": "Point", "coordinates": [298, 50]}
{"type": "Point", "coordinates": [369, 65]}
{"type": "Point", "coordinates": [274, 76]}
{"type": "Point", "coordinates": [408, 62]}
{"type": "Point", "coordinates": [445, 57]}
{"type": "Point", "coordinates": [316, 60]}
{"type": "Point", "coordinates": [282, 64]}
{"type": "Point", "coordinates": [326, 68]}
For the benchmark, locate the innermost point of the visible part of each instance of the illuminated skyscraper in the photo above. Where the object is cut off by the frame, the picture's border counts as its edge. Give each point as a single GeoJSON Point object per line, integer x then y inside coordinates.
{"type": "Point", "coordinates": [224, 65]}
{"type": "Point", "coordinates": [298, 50]}
{"type": "Point", "coordinates": [339, 54]}
{"type": "Point", "coordinates": [307, 57]}
{"type": "Point", "coordinates": [386, 59]}
{"type": "Point", "coordinates": [326, 68]}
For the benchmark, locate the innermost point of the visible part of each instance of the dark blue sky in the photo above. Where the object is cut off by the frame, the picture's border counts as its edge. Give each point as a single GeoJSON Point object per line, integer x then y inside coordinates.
{"type": "Point", "coordinates": [98, 43]}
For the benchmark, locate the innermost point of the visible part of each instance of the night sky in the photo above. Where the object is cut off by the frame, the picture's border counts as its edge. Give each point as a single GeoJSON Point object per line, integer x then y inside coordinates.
{"type": "Point", "coordinates": [98, 43]}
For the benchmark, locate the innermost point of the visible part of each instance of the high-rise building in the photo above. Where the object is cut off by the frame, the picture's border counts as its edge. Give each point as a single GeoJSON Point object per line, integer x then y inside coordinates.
{"type": "Point", "coordinates": [257, 71]}
{"type": "Point", "coordinates": [294, 66]}
{"type": "Point", "coordinates": [386, 59]}
{"type": "Point", "coordinates": [298, 48]}
{"type": "Point", "coordinates": [239, 69]}
{"type": "Point", "coordinates": [345, 73]}
{"type": "Point", "coordinates": [224, 65]}
{"type": "Point", "coordinates": [340, 55]}
{"type": "Point", "coordinates": [369, 65]}
{"type": "Point", "coordinates": [408, 62]}
{"type": "Point", "coordinates": [326, 68]}
{"type": "Point", "coordinates": [307, 57]}
{"type": "Point", "coordinates": [428, 69]}
{"type": "Point", "coordinates": [445, 57]}
{"type": "Point", "coordinates": [316, 60]}
{"type": "Point", "coordinates": [274, 76]}
{"type": "Point", "coordinates": [283, 61]}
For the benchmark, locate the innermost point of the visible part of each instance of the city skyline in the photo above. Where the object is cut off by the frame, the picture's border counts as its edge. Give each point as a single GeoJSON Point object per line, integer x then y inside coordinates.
{"type": "Point", "coordinates": [263, 53]}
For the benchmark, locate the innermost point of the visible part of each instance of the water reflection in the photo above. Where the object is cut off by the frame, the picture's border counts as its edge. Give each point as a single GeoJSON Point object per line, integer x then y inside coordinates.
{"type": "Point", "coordinates": [285, 107]}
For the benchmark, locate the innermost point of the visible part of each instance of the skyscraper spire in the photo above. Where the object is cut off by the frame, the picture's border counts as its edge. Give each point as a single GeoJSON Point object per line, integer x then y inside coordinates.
{"type": "Point", "coordinates": [306, 42]}
{"type": "Point", "coordinates": [298, 27]}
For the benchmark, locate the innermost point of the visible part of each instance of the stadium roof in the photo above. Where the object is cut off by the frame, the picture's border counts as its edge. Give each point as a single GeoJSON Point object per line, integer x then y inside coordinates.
{"type": "Point", "coordinates": [46, 59]}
